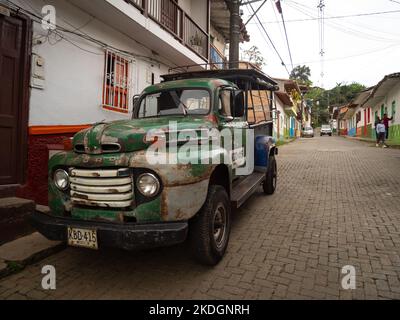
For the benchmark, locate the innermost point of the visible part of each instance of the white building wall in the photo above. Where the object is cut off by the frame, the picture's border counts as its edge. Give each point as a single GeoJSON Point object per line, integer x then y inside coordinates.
{"type": "Point", "coordinates": [74, 69]}
{"type": "Point", "coordinates": [393, 95]}
{"type": "Point", "coordinates": [282, 120]}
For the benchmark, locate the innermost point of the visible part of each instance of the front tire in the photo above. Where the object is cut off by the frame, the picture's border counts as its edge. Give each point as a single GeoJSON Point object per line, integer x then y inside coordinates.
{"type": "Point", "coordinates": [271, 179]}
{"type": "Point", "coordinates": [210, 229]}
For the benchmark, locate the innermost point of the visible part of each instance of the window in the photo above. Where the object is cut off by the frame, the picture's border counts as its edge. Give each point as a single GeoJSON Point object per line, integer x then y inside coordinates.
{"type": "Point", "coordinates": [394, 109]}
{"type": "Point", "coordinates": [116, 87]}
{"type": "Point", "coordinates": [175, 102]}
{"type": "Point", "coordinates": [224, 107]}
{"type": "Point", "coordinates": [369, 115]}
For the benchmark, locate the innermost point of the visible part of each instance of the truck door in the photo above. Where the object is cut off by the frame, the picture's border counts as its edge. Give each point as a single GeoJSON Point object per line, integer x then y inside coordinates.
{"type": "Point", "coordinates": [233, 120]}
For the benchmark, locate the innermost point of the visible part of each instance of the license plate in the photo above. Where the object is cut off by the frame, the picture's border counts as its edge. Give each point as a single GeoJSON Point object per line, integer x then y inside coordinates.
{"type": "Point", "coordinates": [82, 238]}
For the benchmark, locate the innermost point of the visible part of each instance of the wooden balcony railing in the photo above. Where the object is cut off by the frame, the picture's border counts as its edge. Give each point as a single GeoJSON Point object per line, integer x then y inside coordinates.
{"type": "Point", "coordinates": [171, 17]}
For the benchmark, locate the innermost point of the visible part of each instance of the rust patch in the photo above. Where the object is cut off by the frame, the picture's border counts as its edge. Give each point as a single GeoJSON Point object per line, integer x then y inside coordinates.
{"type": "Point", "coordinates": [164, 205]}
{"type": "Point", "coordinates": [80, 196]}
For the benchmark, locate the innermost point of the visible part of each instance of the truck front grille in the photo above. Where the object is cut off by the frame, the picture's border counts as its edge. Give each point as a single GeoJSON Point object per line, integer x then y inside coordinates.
{"type": "Point", "coordinates": [101, 188]}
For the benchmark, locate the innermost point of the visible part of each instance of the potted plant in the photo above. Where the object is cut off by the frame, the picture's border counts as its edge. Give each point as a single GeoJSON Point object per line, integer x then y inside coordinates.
{"type": "Point", "coordinates": [196, 43]}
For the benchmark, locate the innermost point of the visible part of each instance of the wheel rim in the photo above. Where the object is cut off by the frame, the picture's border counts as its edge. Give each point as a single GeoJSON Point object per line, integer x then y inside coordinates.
{"type": "Point", "coordinates": [219, 225]}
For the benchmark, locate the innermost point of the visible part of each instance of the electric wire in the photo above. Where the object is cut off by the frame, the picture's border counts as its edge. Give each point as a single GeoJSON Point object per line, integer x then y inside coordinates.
{"type": "Point", "coordinates": [84, 36]}
{"type": "Point", "coordinates": [269, 38]}
{"type": "Point", "coordinates": [333, 17]}
{"type": "Point", "coordinates": [287, 39]}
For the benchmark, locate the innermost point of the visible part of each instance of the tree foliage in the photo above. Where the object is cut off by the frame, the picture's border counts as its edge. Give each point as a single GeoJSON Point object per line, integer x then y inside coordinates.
{"type": "Point", "coordinates": [302, 74]}
{"type": "Point", "coordinates": [321, 99]}
{"type": "Point", "coordinates": [254, 56]}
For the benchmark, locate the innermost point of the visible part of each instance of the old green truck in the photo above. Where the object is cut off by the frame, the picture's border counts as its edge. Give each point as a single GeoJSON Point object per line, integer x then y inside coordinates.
{"type": "Point", "coordinates": [199, 144]}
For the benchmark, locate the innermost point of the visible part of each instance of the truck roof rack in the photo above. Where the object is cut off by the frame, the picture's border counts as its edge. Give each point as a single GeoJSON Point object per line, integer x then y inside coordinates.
{"type": "Point", "coordinates": [248, 79]}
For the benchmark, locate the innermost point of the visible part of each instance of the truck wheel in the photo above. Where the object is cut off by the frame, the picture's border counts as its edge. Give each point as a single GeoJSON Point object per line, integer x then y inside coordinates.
{"type": "Point", "coordinates": [270, 182]}
{"type": "Point", "coordinates": [210, 229]}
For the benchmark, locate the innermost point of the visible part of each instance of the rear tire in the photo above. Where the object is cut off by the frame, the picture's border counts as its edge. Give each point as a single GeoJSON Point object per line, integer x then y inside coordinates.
{"type": "Point", "coordinates": [271, 179]}
{"type": "Point", "coordinates": [210, 228]}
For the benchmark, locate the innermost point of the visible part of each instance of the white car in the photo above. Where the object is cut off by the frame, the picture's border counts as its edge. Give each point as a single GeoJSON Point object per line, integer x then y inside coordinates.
{"type": "Point", "coordinates": [308, 132]}
{"type": "Point", "coordinates": [326, 130]}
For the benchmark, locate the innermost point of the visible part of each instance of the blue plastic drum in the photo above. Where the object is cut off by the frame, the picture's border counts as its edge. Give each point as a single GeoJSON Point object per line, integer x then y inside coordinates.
{"type": "Point", "coordinates": [262, 147]}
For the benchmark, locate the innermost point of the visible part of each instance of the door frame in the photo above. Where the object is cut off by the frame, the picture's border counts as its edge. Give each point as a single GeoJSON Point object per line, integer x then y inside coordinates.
{"type": "Point", "coordinates": [24, 90]}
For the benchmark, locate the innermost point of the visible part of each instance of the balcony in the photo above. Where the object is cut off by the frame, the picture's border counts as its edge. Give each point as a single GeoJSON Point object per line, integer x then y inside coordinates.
{"type": "Point", "coordinates": [172, 18]}
{"type": "Point", "coordinates": [159, 28]}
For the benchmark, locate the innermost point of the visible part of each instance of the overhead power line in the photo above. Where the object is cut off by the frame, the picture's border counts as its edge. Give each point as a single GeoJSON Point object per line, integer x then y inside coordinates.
{"type": "Point", "coordinates": [279, 7]}
{"type": "Point", "coordinates": [60, 31]}
{"type": "Point", "coordinates": [252, 16]}
{"type": "Point", "coordinates": [337, 17]}
{"type": "Point", "coordinates": [269, 38]}
{"type": "Point", "coordinates": [308, 11]}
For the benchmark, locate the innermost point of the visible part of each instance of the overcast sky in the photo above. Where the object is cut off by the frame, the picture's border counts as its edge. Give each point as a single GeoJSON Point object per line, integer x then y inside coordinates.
{"type": "Point", "coordinates": [361, 49]}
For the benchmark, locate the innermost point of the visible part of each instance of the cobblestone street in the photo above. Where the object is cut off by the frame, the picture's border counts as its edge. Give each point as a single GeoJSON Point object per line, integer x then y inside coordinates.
{"type": "Point", "coordinates": [337, 204]}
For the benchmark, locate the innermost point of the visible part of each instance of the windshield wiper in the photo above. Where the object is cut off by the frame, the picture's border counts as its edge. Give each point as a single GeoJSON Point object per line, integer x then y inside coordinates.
{"type": "Point", "coordinates": [179, 102]}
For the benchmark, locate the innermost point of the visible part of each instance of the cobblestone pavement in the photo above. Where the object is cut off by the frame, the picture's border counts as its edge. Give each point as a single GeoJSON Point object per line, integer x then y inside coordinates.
{"type": "Point", "coordinates": [337, 204]}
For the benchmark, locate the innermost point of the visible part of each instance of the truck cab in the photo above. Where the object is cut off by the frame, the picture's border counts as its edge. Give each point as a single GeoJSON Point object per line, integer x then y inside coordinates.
{"type": "Point", "coordinates": [198, 145]}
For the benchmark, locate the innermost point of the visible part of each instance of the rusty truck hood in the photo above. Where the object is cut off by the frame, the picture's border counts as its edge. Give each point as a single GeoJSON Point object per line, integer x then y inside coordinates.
{"type": "Point", "coordinates": [129, 135]}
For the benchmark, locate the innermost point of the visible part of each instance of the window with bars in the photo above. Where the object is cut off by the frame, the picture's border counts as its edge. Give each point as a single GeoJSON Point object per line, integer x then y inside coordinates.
{"type": "Point", "coordinates": [117, 82]}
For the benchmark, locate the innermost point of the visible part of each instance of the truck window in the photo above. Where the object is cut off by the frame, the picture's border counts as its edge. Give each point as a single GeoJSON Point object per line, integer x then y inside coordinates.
{"type": "Point", "coordinates": [224, 107]}
{"type": "Point", "coordinates": [175, 102]}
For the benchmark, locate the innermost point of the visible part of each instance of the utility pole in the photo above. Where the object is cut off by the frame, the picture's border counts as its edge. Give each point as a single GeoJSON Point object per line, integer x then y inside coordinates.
{"type": "Point", "coordinates": [234, 8]}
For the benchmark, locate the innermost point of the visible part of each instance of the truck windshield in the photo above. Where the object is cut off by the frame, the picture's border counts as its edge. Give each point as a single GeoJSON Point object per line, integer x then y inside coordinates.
{"type": "Point", "coordinates": [175, 102]}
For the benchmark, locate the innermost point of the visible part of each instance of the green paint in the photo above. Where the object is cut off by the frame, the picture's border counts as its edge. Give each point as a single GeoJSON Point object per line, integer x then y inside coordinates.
{"type": "Point", "coordinates": [95, 214]}
{"type": "Point", "coordinates": [149, 211]}
{"type": "Point", "coordinates": [198, 170]}
{"type": "Point", "coordinates": [394, 134]}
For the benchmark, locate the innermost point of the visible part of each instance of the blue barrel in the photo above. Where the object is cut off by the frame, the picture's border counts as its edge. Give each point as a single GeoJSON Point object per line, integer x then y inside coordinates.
{"type": "Point", "coordinates": [262, 146]}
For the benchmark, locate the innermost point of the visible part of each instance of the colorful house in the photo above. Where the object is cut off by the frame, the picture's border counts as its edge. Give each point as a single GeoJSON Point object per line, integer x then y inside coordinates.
{"type": "Point", "coordinates": [359, 121]}
{"type": "Point", "coordinates": [383, 99]}
{"type": "Point", "coordinates": [289, 102]}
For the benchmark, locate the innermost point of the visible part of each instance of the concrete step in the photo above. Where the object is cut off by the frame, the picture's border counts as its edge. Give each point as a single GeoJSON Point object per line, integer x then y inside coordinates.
{"type": "Point", "coordinates": [13, 214]}
{"type": "Point", "coordinates": [26, 250]}
{"type": "Point", "coordinates": [8, 191]}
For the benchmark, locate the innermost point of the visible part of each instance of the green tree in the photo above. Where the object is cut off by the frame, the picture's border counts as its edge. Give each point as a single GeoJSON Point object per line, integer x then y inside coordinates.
{"type": "Point", "coordinates": [322, 99]}
{"type": "Point", "coordinates": [254, 56]}
{"type": "Point", "coordinates": [302, 74]}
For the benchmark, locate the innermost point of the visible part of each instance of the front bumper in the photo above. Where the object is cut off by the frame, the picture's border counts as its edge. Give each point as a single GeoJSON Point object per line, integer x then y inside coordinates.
{"type": "Point", "coordinates": [127, 236]}
{"type": "Point", "coordinates": [307, 134]}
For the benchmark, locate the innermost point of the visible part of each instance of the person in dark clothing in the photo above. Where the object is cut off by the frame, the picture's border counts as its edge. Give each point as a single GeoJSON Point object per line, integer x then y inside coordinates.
{"type": "Point", "coordinates": [386, 120]}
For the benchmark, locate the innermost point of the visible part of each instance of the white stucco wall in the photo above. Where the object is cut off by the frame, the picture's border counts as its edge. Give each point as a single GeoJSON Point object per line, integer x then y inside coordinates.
{"type": "Point", "coordinates": [74, 69]}
{"type": "Point", "coordinates": [392, 95]}
{"type": "Point", "coordinates": [282, 118]}
{"type": "Point", "coordinates": [219, 41]}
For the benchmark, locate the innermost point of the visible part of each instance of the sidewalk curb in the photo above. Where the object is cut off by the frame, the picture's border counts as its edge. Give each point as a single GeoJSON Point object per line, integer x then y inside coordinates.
{"type": "Point", "coordinates": [18, 254]}
{"type": "Point", "coordinates": [391, 146]}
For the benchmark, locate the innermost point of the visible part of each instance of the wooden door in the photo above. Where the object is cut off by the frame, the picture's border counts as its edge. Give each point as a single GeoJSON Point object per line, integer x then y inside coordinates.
{"type": "Point", "coordinates": [13, 97]}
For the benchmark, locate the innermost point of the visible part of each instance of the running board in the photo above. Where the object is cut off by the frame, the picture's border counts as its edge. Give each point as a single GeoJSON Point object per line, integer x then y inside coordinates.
{"type": "Point", "coordinates": [245, 188]}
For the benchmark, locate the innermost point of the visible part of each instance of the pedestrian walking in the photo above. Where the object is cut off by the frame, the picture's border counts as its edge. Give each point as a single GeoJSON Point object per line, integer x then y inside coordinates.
{"type": "Point", "coordinates": [377, 121]}
{"type": "Point", "coordinates": [381, 131]}
{"type": "Point", "coordinates": [386, 120]}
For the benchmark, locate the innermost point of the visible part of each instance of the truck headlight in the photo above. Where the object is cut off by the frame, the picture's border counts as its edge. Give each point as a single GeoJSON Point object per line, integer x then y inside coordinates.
{"type": "Point", "coordinates": [61, 179]}
{"type": "Point", "coordinates": [148, 184]}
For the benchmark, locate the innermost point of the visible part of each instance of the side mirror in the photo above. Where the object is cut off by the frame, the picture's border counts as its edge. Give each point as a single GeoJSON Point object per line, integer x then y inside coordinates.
{"type": "Point", "coordinates": [135, 99]}
{"type": "Point", "coordinates": [239, 104]}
